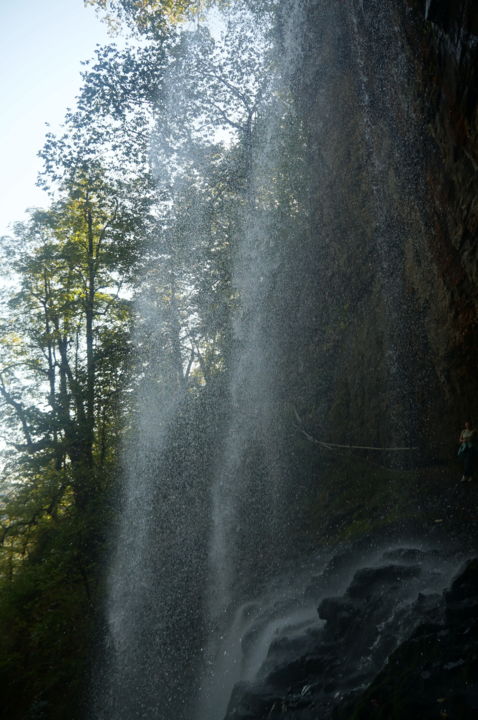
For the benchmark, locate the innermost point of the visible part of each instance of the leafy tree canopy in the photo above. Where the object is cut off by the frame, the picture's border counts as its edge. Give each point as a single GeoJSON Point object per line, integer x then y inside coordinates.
{"type": "Point", "coordinates": [149, 15]}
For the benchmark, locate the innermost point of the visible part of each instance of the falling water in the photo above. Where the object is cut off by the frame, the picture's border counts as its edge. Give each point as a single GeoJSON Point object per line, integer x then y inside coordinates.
{"type": "Point", "coordinates": [197, 589]}
{"type": "Point", "coordinates": [156, 562]}
{"type": "Point", "coordinates": [254, 423]}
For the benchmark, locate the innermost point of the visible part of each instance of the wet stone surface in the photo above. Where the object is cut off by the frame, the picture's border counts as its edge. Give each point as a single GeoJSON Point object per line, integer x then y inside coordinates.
{"type": "Point", "coordinates": [387, 608]}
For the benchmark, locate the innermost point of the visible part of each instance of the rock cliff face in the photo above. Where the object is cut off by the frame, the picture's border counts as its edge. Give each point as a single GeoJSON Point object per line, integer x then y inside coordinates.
{"type": "Point", "coordinates": [442, 43]}
{"type": "Point", "coordinates": [389, 107]}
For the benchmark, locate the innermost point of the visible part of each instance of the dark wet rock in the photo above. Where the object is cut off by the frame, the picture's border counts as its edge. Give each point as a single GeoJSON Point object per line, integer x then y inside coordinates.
{"type": "Point", "coordinates": [442, 46]}
{"type": "Point", "coordinates": [370, 581]}
{"type": "Point", "coordinates": [300, 671]}
{"type": "Point", "coordinates": [434, 673]}
{"type": "Point", "coordinates": [340, 566]}
{"type": "Point", "coordinates": [462, 599]}
{"type": "Point", "coordinates": [284, 651]}
{"type": "Point", "coordinates": [455, 19]}
{"type": "Point", "coordinates": [248, 702]}
{"type": "Point", "coordinates": [372, 594]}
{"type": "Point", "coordinates": [308, 676]}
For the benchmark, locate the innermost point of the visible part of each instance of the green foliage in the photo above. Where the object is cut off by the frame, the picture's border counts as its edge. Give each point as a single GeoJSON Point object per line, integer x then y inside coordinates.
{"type": "Point", "coordinates": [66, 339]}
{"type": "Point", "coordinates": [46, 615]}
{"type": "Point", "coordinates": [149, 185]}
{"type": "Point", "coordinates": [149, 15]}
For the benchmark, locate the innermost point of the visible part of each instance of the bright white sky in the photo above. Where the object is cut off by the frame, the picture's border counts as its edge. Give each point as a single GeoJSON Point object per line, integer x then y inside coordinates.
{"type": "Point", "coordinates": [43, 43]}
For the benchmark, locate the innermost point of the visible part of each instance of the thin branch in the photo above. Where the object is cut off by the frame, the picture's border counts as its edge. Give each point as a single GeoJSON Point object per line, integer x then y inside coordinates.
{"type": "Point", "coordinates": [228, 120]}
{"type": "Point", "coordinates": [19, 411]}
{"type": "Point", "coordinates": [235, 91]}
{"type": "Point", "coordinates": [5, 530]}
{"type": "Point", "coordinates": [111, 300]}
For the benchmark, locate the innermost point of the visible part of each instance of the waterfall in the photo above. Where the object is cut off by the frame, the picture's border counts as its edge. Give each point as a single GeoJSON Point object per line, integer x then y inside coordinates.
{"type": "Point", "coordinates": [247, 510]}
{"type": "Point", "coordinates": [249, 518]}
{"type": "Point", "coordinates": [156, 562]}
{"type": "Point", "coordinates": [200, 583]}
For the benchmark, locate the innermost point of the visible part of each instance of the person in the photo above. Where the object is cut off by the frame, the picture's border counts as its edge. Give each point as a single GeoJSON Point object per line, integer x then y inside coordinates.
{"type": "Point", "coordinates": [467, 450]}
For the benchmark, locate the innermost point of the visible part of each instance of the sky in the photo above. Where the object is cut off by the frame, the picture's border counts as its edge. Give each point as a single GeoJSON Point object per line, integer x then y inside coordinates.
{"type": "Point", "coordinates": [42, 46]}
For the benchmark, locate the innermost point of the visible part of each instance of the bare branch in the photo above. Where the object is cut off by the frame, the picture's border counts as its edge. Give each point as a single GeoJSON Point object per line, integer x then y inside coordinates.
{"type": "Point", "coordinates": [19, 411]}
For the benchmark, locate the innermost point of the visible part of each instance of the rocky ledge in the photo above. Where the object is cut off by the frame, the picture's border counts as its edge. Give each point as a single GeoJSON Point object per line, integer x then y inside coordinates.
{"type": "Point", "coordinates": [393, 645]}
{"type": "Point", "coordinates": [434, 674]}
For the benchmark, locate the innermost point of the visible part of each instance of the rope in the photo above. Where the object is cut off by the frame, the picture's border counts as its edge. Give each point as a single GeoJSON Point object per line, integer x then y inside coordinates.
{"type": "Point", "coordinates": [331, 446]}
{"type": "Point", "coordinates": [365, 447]}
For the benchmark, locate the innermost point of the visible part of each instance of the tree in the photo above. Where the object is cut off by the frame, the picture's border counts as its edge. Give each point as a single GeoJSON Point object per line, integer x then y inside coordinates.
{"type": "Point", "coordinates": [149, 186]}
{"type": "Point", "coordinates": [199, 97]}
{"type": "Point", "coordinates": [71, 270]}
